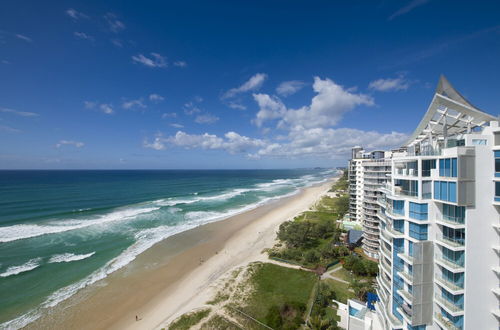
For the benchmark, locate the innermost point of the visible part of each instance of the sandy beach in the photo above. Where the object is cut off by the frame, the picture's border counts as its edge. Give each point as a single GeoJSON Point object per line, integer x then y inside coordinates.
{"type": "Point", "coordinates": [179, 274]}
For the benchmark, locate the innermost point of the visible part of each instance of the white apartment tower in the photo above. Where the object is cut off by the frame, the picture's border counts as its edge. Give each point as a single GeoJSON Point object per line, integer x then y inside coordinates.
{"type": "Point", "coordinates": [368, 171]}
{"type": "Point", "coordinates": [440, 228]}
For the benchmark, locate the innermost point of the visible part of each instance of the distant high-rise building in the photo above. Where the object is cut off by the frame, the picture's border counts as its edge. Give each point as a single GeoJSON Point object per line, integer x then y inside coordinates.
{"type": "Point", "coordinates": [368, 171]}
{"type": "Point", "coordinates": [439, 221]}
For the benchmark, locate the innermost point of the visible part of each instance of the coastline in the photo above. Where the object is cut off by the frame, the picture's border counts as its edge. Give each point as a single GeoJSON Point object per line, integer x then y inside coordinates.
{"type": "Point", "coordinates": [178, 274]}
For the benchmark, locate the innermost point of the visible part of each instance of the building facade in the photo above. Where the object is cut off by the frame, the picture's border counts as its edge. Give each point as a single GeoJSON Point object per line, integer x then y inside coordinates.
{"type": "Point", "coordinates": [439, 222]}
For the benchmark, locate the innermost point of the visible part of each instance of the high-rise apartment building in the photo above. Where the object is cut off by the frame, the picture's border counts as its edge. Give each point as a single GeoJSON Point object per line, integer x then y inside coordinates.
{"type": "Point", "coordinates": [368, 171]}
{"type": "Point", "coordinates": [439, 221]}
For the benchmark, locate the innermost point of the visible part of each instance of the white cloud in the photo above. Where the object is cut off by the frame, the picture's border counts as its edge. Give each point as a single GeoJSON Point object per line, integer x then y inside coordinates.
{"type": "Point", "coordinates": [19, 113]}
{"type": "Point", "coordinates": [287, 88]}
{"type": "Point", "coordinates": [409, 7]}
{"type": "Point", "coordinates": [180, 64]}
{"type": "Point", "coordinates": [329, 143]}
{"type": "Point", "coordinates": [156, 98]}
{"type": "Point", "coordinates": [117, 42]}
{"type": "Point", "coordinates": [103, 107]}
{"type": "Point", "coordinates": [251, 84]}
{"type": "Point", "coordinates": [133, 104]}
{"type": "Point", "coordinates": [169, 115]}
{"type": "Point", "coordinates": [8, 129]}
{"type": "Point", "coordinates": [89, 104]}
{"type": "Point", "coordinates": [327, 107]}
{"type": "Point", "coordinates": [177, 125]}
{"type": "Point", "coordinates": [106, 108]}
{"type": "Point", "coordinates": [190, 108]}
{"type": "Point", "coordinates": [23, 37]}
{"type": "Point", "coordinates": [84, 36]}
{"type": "Point", "coordinates": [237, 106]}
{"type": "Point", "coordinates": [270, 107]}
{"type": "Point", "coordinates": [76, 144]}
{"type": "Point", "coordinates": [114, 24]}
{"type": "Point", "coordinates": [158, 143]}
{"type": "Point", "coordinates": [206, 119]}
{"type": "Point", "coordinates": [155, 61]}
{"type": "Point", "coordinates": [74, 14]}
{"type": "Point", "coordinates": [389, 84]}
{"type": "Point", "coordinates": [232, 142]}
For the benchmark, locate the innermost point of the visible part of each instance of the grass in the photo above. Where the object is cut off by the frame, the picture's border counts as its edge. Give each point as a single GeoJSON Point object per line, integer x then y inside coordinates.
{"type": "Point", "coordinates": [189, 320]}
{"type": "Point", "coordinates": [220, 323]}
{"type": "Point", "coordinates": [346, 275]}
{"type": "Point", "coordinates": [341, 289]}
{"type": "Point", "coordinates": [275, 286]}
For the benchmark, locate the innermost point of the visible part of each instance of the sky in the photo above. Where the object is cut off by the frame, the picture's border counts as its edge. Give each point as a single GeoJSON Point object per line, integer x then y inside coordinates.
{"type": "Point", "coordinates": [231, 84]}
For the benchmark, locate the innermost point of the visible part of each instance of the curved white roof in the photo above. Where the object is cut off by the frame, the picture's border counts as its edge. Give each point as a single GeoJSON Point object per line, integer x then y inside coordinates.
{"type": "Point", "coordinates": [449, 113]}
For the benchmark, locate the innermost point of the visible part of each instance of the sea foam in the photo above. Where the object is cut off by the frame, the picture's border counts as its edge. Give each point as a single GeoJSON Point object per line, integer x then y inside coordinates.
{"type": "Point", "coordinates": [23, 231]}
{"type": "Point", "coordinates": [14, 270]}
{"type": "Point", "coordinates": [68, 257]}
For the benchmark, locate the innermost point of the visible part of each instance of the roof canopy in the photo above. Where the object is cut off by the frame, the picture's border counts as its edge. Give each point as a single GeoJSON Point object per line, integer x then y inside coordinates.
{"type": "Point", "coordinates": [448, 114]}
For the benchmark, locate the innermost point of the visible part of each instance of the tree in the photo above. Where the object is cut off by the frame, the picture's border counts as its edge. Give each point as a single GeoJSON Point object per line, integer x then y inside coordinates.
{"type": "Point", "coordinates": [312, 256]}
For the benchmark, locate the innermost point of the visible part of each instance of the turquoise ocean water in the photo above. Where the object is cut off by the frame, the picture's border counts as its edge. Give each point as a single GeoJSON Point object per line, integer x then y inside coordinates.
{"type": "Point", "coordinates": [63, 230]}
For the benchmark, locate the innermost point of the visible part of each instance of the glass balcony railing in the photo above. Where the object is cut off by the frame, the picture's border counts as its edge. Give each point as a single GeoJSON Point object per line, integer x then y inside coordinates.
{"type": "Point", "coordinates": [445, 322]}
{"type": "Point", "coordinates": [458, 220]}
{"type": "Point", "coordinates": [453, 264]}
{"type": "Point", "coordinates": [449, 285]}
{"type": "Point", "coordinates": [448, 304]}
{"type": "Point", "coordinates": [455, 242]}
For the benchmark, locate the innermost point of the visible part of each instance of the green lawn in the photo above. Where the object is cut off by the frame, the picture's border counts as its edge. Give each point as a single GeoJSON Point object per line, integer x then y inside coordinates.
{"type": "Point", "coordinates": [341, 289]}
{"type": "Point", "coordinates": [346, 275]}
{"type": "Point", "coordinates": [275, 286]}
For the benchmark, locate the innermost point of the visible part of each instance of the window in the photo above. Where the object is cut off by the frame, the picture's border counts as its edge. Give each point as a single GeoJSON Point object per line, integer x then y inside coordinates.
{"type": "Point", "coordinates": [456, 257]}
{"type": "Point", "coordinates": [446, 191]}
{"type": "Point", "coordinates": [497, 191]}
{"type": "Point", "coordinates": [399, 207]}
{"type": "Point", "coordinates": [454, 213]}
{"type": "Point", "coordinates": [418, 231]}
{"type": "Point", "coordinates": [418, 211]}
{"type": "Point", "coordinates": [497, 164]}
{"type": "Point", "coordinates": [479, 142]}
{"type": "Point", "coordinates": [454, 235]}
{"type": "Point", "coordinates": [427, 165]}
{"type": "Point", "coordinates": [448, 167]}
{"type": "Point", "coordinates": [399, 225]}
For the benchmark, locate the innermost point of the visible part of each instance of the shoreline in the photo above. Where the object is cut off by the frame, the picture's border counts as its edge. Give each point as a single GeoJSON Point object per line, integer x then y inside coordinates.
{"type": "Point", "coordinates": [177, 275]}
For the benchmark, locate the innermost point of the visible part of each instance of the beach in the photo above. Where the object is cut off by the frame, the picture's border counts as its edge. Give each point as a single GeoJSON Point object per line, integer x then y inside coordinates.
{"type": "Point", "coordinates": [178, 274]}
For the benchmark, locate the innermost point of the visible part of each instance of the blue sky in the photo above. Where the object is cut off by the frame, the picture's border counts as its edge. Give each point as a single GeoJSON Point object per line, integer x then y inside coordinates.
{"type": "Point", "coordinates": [231, 84]}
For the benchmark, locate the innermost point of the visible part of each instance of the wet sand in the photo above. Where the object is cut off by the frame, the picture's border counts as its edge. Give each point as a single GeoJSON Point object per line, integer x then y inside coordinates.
{"type": "Point", "coordinates": [177, 274]}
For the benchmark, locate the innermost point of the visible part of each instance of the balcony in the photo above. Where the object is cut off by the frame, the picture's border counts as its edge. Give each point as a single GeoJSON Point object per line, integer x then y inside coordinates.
{"type": "Point", "coordinates": [452, 266]}
{"type": "Point", "coordinates": [449, 286]}
{"type": "Point", "coordinates": [408, 259]}
{"type": "Point", "coordinates": [406, 296]}
{"type": "Point", "coordinates": [408, 278]}
{"type": "Point", "coordinates": [385, 267]}
{"type": "Point", "coordinates": [385, 251]}
{"type": "Point", "coordinates": [444, 322]}
{"type": "Point", "coordinates": [450, 307]}
{"type": "Point", "coordinates": [394, 233]}
{"type": "Point", "coordinates": [385, 236]}
{"type": "Point", "coordinates": [450, 224]}
{"type": "Point", "coordinates": [451, 243]}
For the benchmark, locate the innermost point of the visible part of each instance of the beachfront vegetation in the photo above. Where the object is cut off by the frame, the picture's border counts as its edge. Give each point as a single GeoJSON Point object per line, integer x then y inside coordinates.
{"type": "Point", "coordinates": [312, 239]}
{"type": "Point", "coordinates": [189, 320]}
{"type": "Point", "coordinates": [360, 266]}
{"type": "Point", "coordinates": [342, 183]}
{"type": "Point", "coordinates": [280, 295]}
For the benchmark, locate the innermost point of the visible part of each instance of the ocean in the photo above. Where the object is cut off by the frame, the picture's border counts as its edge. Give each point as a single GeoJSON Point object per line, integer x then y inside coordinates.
{"type": "Point", "coordinates": [61, 231]}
